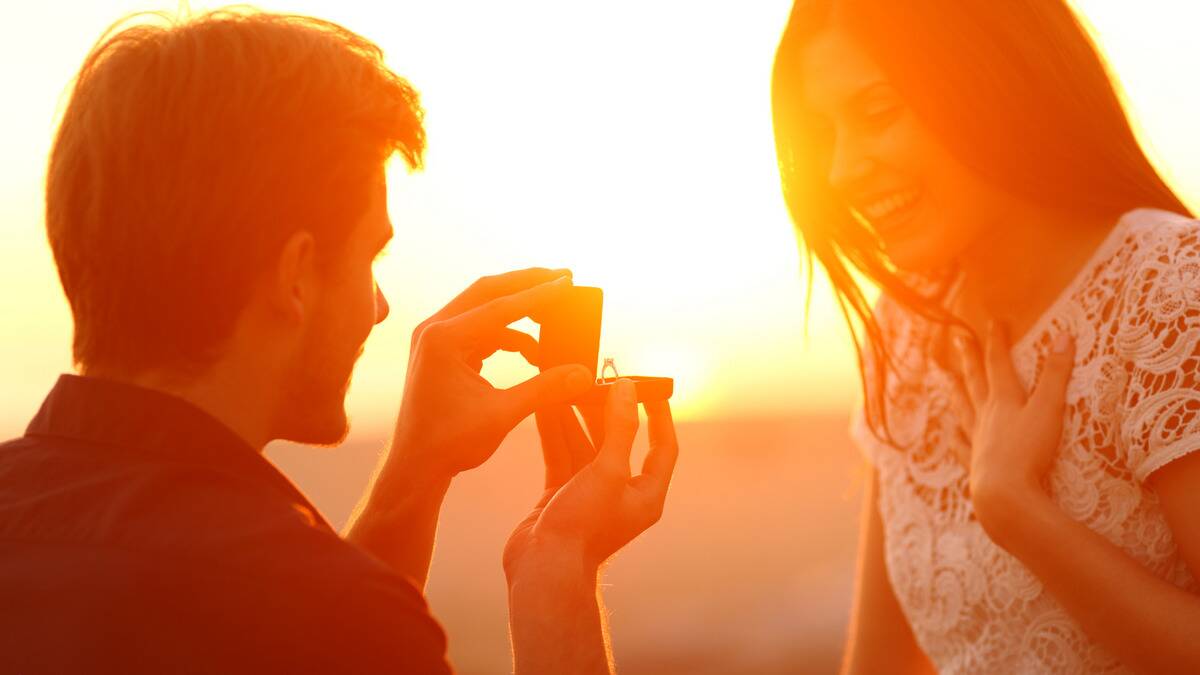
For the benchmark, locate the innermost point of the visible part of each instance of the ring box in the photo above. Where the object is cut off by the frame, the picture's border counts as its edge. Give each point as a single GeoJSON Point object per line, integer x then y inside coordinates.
{"type": "Point", "coordinates": [570, 333]}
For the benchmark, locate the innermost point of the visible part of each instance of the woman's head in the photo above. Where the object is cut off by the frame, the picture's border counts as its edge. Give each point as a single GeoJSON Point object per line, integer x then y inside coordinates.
{"type": "Point", "coordinates": [884, 164]}
{"type": "Point", "coordinates": [905, 130]}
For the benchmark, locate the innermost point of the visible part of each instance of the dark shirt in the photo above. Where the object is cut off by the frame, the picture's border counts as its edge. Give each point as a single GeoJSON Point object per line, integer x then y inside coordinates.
{"type": "Point", "coordinates": [138, 534]}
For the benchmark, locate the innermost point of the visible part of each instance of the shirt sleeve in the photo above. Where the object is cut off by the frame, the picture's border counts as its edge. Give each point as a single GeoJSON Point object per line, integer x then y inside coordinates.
{"type": "Point", "coordinates": [1158, 344]}
{"type": "Point", "coordinates": [386, 627]}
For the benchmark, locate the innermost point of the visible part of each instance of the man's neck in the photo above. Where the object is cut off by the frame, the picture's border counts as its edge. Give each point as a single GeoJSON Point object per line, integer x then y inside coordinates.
{"type": "Point", "coordinates": [228, 394]}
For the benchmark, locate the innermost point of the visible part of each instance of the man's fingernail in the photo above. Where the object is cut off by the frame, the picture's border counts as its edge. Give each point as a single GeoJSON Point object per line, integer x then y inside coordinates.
{"type": "Point", "coordinates": [562, 271]}
{"type": "Point", "coordinates": [626, 390]}
{"type": "Point", "coordinates": [1062, 342]}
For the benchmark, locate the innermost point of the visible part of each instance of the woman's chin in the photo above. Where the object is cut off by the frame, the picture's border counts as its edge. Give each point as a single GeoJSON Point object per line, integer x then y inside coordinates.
{"type": "Point", "coordinates": [917, 255]}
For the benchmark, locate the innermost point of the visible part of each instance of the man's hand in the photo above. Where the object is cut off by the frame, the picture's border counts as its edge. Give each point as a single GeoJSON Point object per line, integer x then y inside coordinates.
{"type": "Point", "coordinates": [592, 506]}
{"type": "Point", "coordinates": [451, 419]}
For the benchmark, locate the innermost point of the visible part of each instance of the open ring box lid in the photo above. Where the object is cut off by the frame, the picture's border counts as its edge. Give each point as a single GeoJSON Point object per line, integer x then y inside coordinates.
{"type": "Point", "coordinates": [570, 333]}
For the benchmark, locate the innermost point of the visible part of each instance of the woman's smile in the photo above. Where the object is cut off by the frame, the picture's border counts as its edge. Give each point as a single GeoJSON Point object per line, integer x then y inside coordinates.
{"type": "Point", "coordinates": [889, 213]}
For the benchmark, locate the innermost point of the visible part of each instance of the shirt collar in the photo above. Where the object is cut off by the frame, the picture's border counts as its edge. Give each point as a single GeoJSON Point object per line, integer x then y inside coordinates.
{"type": "Point", "coordinates": [163, 426]}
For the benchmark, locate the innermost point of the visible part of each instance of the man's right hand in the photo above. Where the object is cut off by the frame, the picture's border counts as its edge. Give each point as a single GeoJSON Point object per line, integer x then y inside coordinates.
{"type": "Point", "coordinates": [451, 419]}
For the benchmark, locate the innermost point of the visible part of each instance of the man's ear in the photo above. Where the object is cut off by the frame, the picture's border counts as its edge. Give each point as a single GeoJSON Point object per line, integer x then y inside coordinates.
{"type": "Point", "coordinates": [293, 288]}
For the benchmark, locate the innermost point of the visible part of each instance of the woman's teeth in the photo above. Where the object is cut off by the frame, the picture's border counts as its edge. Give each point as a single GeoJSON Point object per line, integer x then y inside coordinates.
{"type": "Point", "coordinates": [882, 208]}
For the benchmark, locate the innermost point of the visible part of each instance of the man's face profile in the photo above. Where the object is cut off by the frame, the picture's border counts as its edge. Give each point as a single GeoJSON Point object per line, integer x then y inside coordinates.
{"type": "Point", "coordinates": [347, 306]}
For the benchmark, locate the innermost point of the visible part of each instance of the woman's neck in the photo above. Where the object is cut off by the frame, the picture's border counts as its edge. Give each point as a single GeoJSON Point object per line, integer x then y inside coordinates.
{"type": "Point", "coordinates": [1018, 269]}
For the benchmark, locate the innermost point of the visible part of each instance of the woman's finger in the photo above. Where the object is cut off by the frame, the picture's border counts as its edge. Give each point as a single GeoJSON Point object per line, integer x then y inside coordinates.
{"type": "Point", "coordinates": [973, 378]}
{"type": "Point", "coordinates": [1051, 391]}
{"type": "Point", "coordinates": [964, 409]}
{"type": "Point", "coordinates": [1002, 379]}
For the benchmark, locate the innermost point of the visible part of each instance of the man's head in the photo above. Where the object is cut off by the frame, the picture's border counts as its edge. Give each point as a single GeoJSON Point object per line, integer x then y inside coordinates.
{"type": "Point", "coordinates": [216, 187]}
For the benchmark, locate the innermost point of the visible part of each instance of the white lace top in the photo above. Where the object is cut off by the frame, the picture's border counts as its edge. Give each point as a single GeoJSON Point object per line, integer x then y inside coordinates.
{"type": "Point", "coordinates": [1133, 405]}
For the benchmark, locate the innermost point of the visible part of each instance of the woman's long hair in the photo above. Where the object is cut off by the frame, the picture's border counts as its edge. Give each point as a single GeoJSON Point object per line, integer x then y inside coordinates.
{"type": "Point", "coordinates": [1015, 89]}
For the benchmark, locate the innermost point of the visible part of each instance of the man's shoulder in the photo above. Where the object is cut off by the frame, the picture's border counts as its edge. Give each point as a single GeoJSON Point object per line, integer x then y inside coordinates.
{"type": "Point", "coordinates": [64, 492]}
{"type": "Point", "coordinates": [167, 550]}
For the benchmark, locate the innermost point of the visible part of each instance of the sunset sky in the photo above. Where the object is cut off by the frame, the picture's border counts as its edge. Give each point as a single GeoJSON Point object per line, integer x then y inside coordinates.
{"type": "Point", "coordinates": [629, 140]}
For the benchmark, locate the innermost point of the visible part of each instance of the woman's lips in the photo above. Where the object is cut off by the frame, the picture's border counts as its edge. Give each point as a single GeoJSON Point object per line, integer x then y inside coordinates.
{"type": "Point", "coordinates": [891, 213]}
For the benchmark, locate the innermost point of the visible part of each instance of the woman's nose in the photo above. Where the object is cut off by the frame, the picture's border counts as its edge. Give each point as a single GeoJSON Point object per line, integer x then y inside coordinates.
{"type": "Point", "coordinates": [849, 165]}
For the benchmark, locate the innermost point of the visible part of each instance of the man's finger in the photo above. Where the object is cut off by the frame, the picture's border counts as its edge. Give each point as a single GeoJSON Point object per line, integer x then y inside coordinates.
{"type": "Point", "coordinates": [556, 386]}
{"type": "Point", "coordinates": [581, 449]}
{"type": "Point", "coordinates": [1001, 378]}
{"type": "Point", "coordinates": [620, 426]}
{"type": "Point", "coordinates": [497, 314]}
{"type": "Point", "coordinates": [664, 447]}
{"type": "Point", "coordinates": [486, 289]}
{"type": "Point", "coordinates": [593, 417]}
{"type": "Point", "coordinates": [508, 340]}
{"type": "Point", "coordinates": [555, 453]}
{"type": "Point", "coordinates": [1051, 391]}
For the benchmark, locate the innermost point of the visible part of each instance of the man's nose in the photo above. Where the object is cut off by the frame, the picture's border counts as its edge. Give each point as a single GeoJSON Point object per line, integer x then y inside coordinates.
{"type": "Point", "coordinates": [381, 305]}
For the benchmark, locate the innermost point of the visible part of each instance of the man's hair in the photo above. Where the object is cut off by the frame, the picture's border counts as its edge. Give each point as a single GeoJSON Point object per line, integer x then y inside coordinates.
{"type": "Point", "coordinates": [190, 150]}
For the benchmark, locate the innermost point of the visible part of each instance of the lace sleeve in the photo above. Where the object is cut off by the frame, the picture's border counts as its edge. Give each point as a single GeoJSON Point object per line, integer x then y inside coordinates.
{"type": "Point", "coordinates": [1158, 343]}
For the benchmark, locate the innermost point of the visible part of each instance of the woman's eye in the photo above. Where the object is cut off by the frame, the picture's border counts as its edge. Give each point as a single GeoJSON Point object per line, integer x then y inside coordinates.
{"type": "Point", "coordinates": [879, 116]}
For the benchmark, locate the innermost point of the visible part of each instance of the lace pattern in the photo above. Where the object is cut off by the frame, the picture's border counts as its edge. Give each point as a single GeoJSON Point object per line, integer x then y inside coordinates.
{"type": "Point", "coordinates": [1133, 405]}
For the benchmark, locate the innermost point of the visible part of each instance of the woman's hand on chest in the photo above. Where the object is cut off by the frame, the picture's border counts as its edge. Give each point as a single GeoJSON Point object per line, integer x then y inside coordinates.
{"type": "Point", "coordinates": [1014, 436]}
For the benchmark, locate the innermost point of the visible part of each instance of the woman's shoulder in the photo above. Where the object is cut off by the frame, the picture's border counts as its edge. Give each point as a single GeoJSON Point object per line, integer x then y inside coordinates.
{"type": "Point", "coordinates": [1158, 258]}
{"type": "Point", "coordinates": [1156, 237]}
{"type": "Point", "coordinates": [1155, 338]}
{"type": "Point", "coordinates": [1147, 251]}
{"type": "Point", "coordinates": [1147, 220]}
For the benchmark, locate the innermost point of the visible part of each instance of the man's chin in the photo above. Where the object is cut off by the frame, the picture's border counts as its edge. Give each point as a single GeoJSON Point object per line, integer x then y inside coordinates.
{"type": "Point", "coordinates": [322, 429]}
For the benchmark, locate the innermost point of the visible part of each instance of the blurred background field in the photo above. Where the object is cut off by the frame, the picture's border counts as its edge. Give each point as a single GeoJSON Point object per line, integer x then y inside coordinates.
{"type": "Point", "coordinates": [749, 570]}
